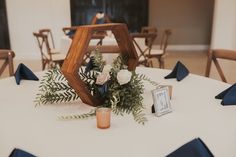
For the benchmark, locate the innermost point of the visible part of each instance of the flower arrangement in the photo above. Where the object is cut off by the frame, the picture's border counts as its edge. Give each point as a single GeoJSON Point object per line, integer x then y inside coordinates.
{"type": "Point", "coordinates": [119, 89]}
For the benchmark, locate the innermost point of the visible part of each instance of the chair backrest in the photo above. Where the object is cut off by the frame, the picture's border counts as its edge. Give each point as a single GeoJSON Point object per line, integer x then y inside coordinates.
{"type": "Point", "coordinates": [7, 57]}
{"type": "Point", "coordinates": [48, 33]}
{"type": "Point", "coordinates": [43, 45]}
{"type": "Point", "coordinates": [213, 55]}
{"type": "Point", "coordinates": [148, 29]}
{"type": "Point", "coordinates": [142, 49]}
{"type": "Point", "coordinates": [165, 39]}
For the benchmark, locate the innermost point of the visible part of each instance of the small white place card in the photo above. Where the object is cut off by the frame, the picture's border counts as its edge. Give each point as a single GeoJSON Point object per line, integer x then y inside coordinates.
{"type": "Point", "coordinates": [161, 99]}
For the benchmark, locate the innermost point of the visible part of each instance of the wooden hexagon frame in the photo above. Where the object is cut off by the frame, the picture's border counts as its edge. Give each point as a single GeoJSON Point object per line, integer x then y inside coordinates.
{"type": "Point", "coordinates": [78, 50]}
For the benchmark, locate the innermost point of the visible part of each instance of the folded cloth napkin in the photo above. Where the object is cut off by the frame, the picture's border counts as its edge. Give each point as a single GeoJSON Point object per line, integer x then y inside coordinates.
{"type": "Point", "coordinates": [179, 72]}
{"type": "Point", "coordinates": [228, 96]}
{"type": "Point", "coordinates": [222, 94]}
{"type": "Point", "coordinates": [194, 148]}
{"type": "Point", "coordinates": [23, 72]}
{"type": "Point", "coordinates": [20, 153]}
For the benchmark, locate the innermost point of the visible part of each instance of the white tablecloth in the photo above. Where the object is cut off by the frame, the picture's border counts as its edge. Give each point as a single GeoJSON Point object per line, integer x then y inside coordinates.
{"type": "Point", "coordinates": [195, 114]}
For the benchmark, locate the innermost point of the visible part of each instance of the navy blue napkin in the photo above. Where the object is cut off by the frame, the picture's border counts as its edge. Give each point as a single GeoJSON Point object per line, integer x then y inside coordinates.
{"type": "Point", "coordinates": [102, 89]}
{"type": "Point", "coordinates": [179, 72]}
{"type": "Point", "coordinates": [20, 153]}
{"type": "Point", "coordinates": [222, 94]}
{"type": "Point", "coordinates": [23, 72]}
{"type": "Point", "coordinates": [194, 148]}
{"type": "Point", "coordinates": [228, 96]}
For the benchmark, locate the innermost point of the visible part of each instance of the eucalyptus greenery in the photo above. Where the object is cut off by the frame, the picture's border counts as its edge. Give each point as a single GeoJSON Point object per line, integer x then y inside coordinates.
{"type": "Point", "coordinates": [122, 99]}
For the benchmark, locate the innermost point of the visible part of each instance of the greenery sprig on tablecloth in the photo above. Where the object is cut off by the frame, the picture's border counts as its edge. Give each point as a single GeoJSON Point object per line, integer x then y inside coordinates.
{"type": "Point", "coordinates": [118, 88]}
{"type": "Point", "coordinates": [54, 88]}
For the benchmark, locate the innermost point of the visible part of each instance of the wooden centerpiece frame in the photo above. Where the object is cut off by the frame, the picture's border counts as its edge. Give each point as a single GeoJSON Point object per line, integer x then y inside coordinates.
{"type": "Point", "coordinates": [78, 50]}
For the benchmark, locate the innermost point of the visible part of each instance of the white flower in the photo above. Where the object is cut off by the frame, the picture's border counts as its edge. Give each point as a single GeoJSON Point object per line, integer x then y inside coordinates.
{"type": "Point", "coordinates": [123, 76]}
{"type": "Point", "coordinates": [106, 68]}
{"type": "Point", "coordinates": [100, 15]}
{"type": "Point", "coordinates": [102, 78]}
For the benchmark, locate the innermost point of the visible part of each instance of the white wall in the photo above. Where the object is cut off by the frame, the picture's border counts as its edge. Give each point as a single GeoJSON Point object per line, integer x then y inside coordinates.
{"type": "Point", "coordinates": [189, 20]}
{"type": "Point", "coordinates": [28, 16]}
{"type": "Point", "coordinates": [224, 25]}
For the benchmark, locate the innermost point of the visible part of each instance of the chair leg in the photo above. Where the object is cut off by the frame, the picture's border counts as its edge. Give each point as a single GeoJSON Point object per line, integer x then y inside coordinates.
{"type": "Point", "coordinates": [11, 66]}
{"type": "Point", "coordinates": [161, 63]}
{"type": "Point", "coordinates": [149, 63]}
{"type": "Point", "coordinates": [44, 63]}
{"type": "Point", "coordinates": [208, 67]}
{"type": "Point", "coordinates": [3, 67]}
{"type": "Point", "coordinates": [222, 76]}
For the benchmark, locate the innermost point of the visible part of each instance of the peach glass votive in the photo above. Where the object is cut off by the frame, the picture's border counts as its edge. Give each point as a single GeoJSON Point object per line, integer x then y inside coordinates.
{"type": "Point", "coordinates": [103, 115]}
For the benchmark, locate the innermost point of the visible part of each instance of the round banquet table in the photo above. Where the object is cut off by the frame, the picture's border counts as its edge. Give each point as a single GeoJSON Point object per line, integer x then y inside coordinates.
{"type": "Point", "coordinates": [196, 113]}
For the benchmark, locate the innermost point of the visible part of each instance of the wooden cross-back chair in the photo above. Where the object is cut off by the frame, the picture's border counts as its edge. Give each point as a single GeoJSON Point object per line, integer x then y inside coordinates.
{"type": "Point", "coordinates": [149, 29]}
{"type": "Point", "coordinates": [160, 53]}
{"type": "Point", "coordinates": [63, 42]}
{"type": "Point", "coordinates": [48, 32]}
{"type": "Point", "coordinates": [48, 57]}
{"type": "Point", "coordinates": [143, 48]}
{"type": "Point", "coordinates": [213, 55]}
{"type": "Point", "coordinates": [7, 57]}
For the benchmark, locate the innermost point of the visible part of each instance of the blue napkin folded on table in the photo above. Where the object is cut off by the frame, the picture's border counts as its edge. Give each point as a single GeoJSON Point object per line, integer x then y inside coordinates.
{"type": "Point", "coordinates": [179, 72]}
{"type": "Point", "coordinates": [222, 94]}
{"type": "Point", "coordinates": [228, 96]}
{"type": "Point", "coordinates": [23, 72]}
{"type": "Point", "coordinates": [20, 153]}
{"type": "Point", "coordinates": [194, 148]}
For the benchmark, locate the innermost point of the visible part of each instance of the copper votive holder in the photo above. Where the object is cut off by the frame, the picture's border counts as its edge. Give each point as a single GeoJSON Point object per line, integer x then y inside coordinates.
{"type": "Point", "coordinates": [103, 116]}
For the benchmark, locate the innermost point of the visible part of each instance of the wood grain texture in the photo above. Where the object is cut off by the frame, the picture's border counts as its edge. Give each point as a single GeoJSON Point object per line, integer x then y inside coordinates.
{"type": "Point", "coordinates": [78, 50]}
